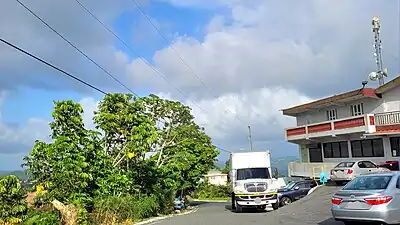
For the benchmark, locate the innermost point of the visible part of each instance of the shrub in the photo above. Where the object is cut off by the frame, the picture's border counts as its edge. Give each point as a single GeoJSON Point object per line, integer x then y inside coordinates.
{"type": "Point", "coordinates": [36, 217]}
{"type": "Point", "coordinates": [209, 191]}
{"type": "Point", "coordinates": [124, 208]}
{"type": "Point", "coordinates": [13, 206]}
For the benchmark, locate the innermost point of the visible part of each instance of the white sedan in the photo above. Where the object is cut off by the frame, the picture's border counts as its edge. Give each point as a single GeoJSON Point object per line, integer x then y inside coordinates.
{"type": "Point", "coordinates": [346, 171]}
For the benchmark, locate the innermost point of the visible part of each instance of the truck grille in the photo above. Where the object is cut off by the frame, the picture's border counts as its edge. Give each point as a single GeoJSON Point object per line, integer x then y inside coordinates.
{"type": "Point", "coordinates": [256, 187]}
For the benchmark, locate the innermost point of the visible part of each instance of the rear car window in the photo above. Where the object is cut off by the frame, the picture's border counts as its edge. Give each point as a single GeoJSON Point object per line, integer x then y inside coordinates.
{"type": "Point", "coordinates": [368, 183]}
{"type": "Point", "coordinates": [344, 164]}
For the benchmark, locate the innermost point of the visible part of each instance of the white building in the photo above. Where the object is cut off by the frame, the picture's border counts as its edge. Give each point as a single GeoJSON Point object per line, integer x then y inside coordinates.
{"type": "Point", "coordinates": [360, 124]}
{"type": "Point", "coordinates": [215, 177]}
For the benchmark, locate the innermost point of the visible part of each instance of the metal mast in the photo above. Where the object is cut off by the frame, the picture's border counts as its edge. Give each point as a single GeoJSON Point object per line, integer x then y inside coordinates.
{"type": "Point", "coordinates": [381, 72]}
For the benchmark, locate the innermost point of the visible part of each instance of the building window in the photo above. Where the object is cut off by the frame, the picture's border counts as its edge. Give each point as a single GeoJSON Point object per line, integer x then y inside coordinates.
{"type": "Point", "coordinates": [336, 150]}
{"type": "Point", "coordinates": [367, 148]}
{"type": "Point", "coordinates": [331, 114]}
{"type": "Point", "coordinates": [395, 146]}
{"type": "Point", "coordinates": [315, 153]}
{"type": "Point", "coordinates": [357, 109]}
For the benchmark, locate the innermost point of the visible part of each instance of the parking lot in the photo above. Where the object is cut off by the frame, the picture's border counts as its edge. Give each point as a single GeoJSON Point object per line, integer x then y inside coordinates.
{"type": "Point", "coordinates": [313, 209]}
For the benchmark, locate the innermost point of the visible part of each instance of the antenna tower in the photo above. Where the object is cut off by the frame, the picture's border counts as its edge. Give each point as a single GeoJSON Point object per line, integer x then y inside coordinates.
{"type": "Point", "coordinates": [381, 72]}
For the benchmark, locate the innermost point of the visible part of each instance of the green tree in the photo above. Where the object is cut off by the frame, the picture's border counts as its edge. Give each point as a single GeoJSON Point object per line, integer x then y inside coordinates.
{"type": "Point", "coordinates": [184, 152]}
{"type": "Point", "coordinates": [12, 200]}
{"type": "Point", "coordinates": [226, 168]}
{"type": "Point", "coordinates": [73, 167]}
{"type": "Point", "coordinates": [128, 131]}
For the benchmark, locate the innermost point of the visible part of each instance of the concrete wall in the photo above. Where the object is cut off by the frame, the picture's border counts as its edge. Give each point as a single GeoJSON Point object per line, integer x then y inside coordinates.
{"type": "Point", "coordinates": [390, 102]}
{"type": "Point", "coordinates": [217, 179]}
{"type": "Point", "coordinates": [304, 156]}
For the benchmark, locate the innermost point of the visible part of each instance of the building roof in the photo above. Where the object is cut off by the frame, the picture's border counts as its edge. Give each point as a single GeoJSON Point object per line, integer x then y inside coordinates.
{"type": "Point", "coordinates": [342, 98]}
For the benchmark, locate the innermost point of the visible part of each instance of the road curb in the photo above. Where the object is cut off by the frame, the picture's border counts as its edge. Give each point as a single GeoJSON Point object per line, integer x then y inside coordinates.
{"type": "Point", "coordinates": [156, 219]}
{"type": "Point", "coordinates": [199, 200]}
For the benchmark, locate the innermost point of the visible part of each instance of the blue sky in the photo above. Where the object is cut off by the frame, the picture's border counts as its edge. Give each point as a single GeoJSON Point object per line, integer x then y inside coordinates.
{"type": "Point", "coordinates": [257, 57]}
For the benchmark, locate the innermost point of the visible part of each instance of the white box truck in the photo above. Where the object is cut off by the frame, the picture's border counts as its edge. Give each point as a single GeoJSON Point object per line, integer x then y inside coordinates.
{"type": "Point", "coordinates": [251, 181]}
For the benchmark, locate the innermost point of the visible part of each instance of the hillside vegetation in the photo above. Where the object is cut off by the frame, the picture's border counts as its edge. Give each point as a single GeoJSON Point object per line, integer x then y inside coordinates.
{"type": "Point", "coordinates": [102, 176]}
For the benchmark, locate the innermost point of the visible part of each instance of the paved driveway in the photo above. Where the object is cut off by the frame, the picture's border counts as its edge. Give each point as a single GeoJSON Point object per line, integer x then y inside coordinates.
{"type": "Point", "coordinates": [313, 209]}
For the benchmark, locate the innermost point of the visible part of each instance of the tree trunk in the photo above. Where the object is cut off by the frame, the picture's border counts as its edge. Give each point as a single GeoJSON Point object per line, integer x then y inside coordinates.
{"type": "Point", "coordinates": [69, 213]}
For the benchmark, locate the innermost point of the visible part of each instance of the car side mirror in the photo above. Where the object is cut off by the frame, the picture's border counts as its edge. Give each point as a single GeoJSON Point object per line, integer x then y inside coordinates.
{"type": "Point", "coordinates": [296, 188]}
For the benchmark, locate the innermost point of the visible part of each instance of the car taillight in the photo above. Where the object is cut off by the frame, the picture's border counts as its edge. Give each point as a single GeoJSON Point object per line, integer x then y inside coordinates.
{"type": "Point", "coordinates": [336, 201]}
{"type": "Point", "coordinates": [378, 200]}
{"type": "Point", "coordinates": [349, 171]}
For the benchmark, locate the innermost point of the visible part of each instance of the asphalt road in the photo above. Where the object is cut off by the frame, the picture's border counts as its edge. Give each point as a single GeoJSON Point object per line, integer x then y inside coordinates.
{"type": "Point", "coordinates": [313, 209]}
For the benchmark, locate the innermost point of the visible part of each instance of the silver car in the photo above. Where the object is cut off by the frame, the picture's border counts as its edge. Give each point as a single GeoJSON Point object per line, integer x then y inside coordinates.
{"type": "Point", "coordinates": [369, 198]}
{"type": "Point", "coordinates": [346, 171]}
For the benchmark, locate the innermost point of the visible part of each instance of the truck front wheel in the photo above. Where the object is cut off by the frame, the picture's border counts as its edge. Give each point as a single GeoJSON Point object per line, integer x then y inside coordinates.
{"type": "Point", "coordinates": [233, 201]}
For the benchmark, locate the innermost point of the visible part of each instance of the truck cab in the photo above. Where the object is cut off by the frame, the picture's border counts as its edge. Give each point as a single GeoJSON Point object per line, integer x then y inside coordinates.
{"type": "Point", "coordinates": [252, 185]}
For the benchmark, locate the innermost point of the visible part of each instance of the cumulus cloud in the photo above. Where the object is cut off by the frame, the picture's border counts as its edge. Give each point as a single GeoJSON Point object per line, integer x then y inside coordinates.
{"type": "Point", "coordinates": [19, 27]}
{"type": "Point", "coordinates": [311, 46]}
{"type": "Point", "coordinates": [19, 138]}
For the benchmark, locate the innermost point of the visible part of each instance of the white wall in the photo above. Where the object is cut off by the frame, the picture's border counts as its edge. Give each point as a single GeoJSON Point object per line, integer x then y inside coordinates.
{"type": "Point", "coordinates": [217, 179]}
{"type": "Point", "coordinates": [371, 106]}
{"type": "Point", "coordinates": [391, 100]}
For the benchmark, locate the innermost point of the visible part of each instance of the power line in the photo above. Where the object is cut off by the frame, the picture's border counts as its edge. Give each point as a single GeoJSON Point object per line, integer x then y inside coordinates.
{"type": "Point", "coordinates": [136, 3]}
{"type": "Point", "coordinates": [76, 48]}
{"type": "Point", "coordinates": [52, 66]}
{"type": "Point", "coordinates": [134, 52]}
{"type": "Point", "coordinates": [66, 73]}
{"type": "Point", "coordinates": [81, 52]}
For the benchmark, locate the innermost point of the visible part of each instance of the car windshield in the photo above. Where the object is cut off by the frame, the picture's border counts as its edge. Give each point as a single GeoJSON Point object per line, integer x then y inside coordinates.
{"type": "Point", "coordinates": [253, 173]}
{"type": "Point", "coordinates": [290, 185]}
{"type": "Point", "coordinates": [368, 183]}
{"type": "Point", "coordinates": [344, 164]}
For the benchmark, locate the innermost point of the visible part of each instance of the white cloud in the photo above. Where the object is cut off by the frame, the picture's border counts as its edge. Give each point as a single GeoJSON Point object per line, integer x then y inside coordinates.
{"type": "Point", "coordinates": [89, 105]}
{"type": "Point", "coordinates": [226, 119]}
{"type": "Point", "coordinates": [18, 139]}
{"type": "Point", "coordinates": [311, 46]}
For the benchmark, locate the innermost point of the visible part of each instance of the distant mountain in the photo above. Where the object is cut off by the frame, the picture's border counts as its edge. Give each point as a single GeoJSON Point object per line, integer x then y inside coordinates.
{"type": "Point", "coordinates": [18, 173]}
{"type": "Point", "coordinates": [280, 163]}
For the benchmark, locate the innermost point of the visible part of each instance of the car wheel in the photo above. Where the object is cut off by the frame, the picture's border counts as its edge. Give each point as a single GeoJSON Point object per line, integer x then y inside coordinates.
{"type": "Point", "coordinates": [339, 183]}
{"type": "Point", "coordinates": [275, 206]}
{"type": "Point", "coordinates": [351, 223]}
{"type": "Point", "coordinates": [285, 201]}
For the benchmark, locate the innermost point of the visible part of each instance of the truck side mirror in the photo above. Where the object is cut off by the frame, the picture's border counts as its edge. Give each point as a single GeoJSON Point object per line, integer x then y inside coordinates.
{"type": "Point", "coordinates": [275, 173]}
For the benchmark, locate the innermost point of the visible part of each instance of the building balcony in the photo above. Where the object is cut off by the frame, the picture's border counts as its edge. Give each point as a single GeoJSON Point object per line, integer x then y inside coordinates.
{"type": "Point", "coordinates": [387, 122]}
{"type": "Point", "coordinates": [349, 125]}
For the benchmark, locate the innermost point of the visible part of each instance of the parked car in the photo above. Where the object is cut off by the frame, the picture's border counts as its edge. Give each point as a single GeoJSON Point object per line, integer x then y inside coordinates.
{"type": "Point", "coordinates": [294, 191]}
{"type": "Point", "coordinates": [368, 199]}
{"type": "Point", "coordinates": [346, 171]}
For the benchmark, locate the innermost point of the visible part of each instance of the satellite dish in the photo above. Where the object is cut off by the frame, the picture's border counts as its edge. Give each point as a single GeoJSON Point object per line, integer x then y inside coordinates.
{"type": "Point", "coordinates": [373, 76]}
{"type": "Point", "coordinates": [385, 72]}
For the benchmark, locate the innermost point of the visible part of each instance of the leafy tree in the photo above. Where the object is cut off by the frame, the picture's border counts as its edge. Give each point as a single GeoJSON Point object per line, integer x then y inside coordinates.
{"type": "Point", "coordinates": [12, 200]}
{"type": "Point", "coordinates": [74, 166]}
{"type": "Point", "coordinates": [128, 131]}
{"type": "Point", "coordinates": [226, 168]}
{"type": "Point", "coordinates": [184, 152]}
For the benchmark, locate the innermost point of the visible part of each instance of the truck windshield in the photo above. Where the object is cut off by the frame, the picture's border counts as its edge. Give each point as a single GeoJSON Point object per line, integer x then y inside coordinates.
{"type": "Point", "coordinates": [253, 173]}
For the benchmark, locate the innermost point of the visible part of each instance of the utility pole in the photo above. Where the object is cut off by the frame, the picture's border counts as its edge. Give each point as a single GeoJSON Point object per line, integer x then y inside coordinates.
{"type": "Point", "coordinates": [250, 141]}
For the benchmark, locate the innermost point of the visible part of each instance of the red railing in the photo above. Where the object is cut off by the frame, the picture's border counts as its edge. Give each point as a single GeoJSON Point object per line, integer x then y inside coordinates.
{"type": "Point", "coordinates": [320, 128]}
{"type": "Point", "coordinates": [331, 125]}
{"type": "Point", "coordinates": [296, 131]}
{"type": "Point", "coordinates": [350, 123]}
